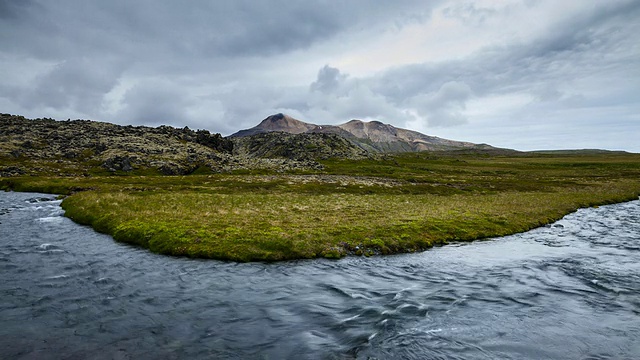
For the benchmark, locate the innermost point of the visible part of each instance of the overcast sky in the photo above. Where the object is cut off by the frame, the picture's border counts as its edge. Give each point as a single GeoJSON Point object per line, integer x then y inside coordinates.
{"type": "Point", "coordinates": [529, 74]}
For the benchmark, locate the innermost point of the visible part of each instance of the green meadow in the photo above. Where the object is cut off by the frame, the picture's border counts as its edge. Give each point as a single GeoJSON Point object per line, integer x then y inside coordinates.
{"type": "Point", "coordinates": [395, 204]}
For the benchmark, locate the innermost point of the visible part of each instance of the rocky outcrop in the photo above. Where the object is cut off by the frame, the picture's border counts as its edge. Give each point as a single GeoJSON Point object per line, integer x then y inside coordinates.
{"type": "Point", "coordinates": [82, 147]}
{"type": "Point", "coordinates": [303, 147]}
{"type": "Point", "coordinates": [91, 145]}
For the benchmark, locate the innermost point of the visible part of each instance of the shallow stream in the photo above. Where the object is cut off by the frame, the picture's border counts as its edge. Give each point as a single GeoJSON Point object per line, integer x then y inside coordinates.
{"type": "Point", "coordinates": [566, 291]}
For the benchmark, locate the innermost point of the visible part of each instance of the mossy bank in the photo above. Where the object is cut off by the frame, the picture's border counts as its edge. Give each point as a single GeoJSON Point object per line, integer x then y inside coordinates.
{"type": "Point", "coordinates": [401, 203]}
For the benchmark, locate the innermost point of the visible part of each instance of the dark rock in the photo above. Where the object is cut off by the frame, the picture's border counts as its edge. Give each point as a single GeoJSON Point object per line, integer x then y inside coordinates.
{"type": "Point", "coordinates": [39, 199]}
{"type": "Point", "coordinates": [118, 163]}
{"type": "Point", "coordinates": [16, 153]}
{"type": "Point", "coordinates": [11, 171]}
{"type": "Point", "coordinates": [172, 168]}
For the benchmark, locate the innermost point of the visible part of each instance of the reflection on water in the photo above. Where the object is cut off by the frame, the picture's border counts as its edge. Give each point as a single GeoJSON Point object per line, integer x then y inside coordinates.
{"type": "Point", "coordinates": [569, 290]}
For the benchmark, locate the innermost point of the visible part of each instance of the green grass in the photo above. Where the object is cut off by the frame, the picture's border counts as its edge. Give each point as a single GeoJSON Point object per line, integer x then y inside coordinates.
{"type": "Point", "coordinates": [402, 203]}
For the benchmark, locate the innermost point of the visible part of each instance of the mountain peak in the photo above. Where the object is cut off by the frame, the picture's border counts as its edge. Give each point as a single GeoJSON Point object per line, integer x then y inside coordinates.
{"type": "Point", "coordinates": [278, 122]}
{"type": "Point", "coordinates": [285, 123]}
{"type": "Point", "coordinates": [372, 123]}
{"type": "Point", "coordinates": [369, 135]}
{"type": "Point", "coordinates": [276, 117]}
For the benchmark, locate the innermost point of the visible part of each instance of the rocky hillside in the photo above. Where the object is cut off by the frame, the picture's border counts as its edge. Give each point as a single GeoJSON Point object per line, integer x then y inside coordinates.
{"type": "Point", "coordinates": [84, 144]}
{"type": "Point", "coordinates": [371, 136]}
{"type": "Point", "coordinates": [82, 147]}
{"type": "Point", "coordinates": [302, 146]}
{"type": "Point", "coordinates": [279, 142]}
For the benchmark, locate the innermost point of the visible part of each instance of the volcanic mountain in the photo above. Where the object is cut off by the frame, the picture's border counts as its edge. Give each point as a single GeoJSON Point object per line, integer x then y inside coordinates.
{"type": "Point", "coordinates": [371, 136]}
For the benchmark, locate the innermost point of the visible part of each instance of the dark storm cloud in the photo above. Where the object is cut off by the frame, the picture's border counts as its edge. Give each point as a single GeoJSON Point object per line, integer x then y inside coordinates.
{"type": "Point", "coordinates": [13, 9]}
{"type": "Point", "coordinates": [269, 27]}
{"type": "Point", "coordinates": [179, 29]}
{"type": "Point", "coordinates": [225, 65]}
{"type": "Point", "coordinates": [91, 45]}
{"type": "Point", "coordinates": [77, 82]}
{"type": "Point", "coordinates": [276, 28]}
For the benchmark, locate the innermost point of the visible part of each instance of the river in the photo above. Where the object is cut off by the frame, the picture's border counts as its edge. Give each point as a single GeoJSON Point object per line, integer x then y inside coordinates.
{"type": "Point", "coordinates": [566, 291]}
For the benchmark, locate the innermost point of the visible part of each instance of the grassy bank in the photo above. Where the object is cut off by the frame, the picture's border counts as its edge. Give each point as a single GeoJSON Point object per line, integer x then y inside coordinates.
{"type": "Point", "coordinates": [402, 203]}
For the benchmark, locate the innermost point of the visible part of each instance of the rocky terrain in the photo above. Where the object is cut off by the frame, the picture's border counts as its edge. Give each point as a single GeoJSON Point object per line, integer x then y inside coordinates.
{"type": "Point", "coordinates": [279, 142]}
{"type": "Point", "coordinates": [372, 136]}
{"type": "Point", "coordinates": [302, 147]}
{"type": "Point", "coordinates": [47, 146]}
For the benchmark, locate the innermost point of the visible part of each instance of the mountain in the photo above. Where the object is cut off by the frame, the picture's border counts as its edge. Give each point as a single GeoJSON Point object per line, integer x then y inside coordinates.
{"type": "Point", "coordinates": [279, 142]}
{"type": "Point", "coordinates": [278, 122]}
{"type": "Point", "coordinates": [372, 136]}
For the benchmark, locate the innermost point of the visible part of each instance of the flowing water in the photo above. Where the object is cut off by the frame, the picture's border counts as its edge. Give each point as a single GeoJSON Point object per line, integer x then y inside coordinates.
{"type": "Point", "coordinates": [566, 291]}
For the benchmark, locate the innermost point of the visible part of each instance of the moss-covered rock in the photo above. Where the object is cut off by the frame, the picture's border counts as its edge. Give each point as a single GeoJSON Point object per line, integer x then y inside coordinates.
{"type": "Point", "coordinates": [301, 147]}
{"type": "Point", "coordinates": [82, 147]}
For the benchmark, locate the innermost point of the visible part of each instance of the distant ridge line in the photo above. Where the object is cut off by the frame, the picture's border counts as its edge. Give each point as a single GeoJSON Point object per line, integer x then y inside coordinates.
{"type": "Point", "coordinates": [372, 136]}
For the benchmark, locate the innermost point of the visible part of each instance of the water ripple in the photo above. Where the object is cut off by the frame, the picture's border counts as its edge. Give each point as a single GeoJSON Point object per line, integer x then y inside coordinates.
{"type": "Point", "coordinates": [68, 292]}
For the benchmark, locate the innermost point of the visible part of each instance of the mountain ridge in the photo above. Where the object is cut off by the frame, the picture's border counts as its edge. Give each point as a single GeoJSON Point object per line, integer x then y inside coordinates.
{"type": "Point", "coordinates": [372, 136]}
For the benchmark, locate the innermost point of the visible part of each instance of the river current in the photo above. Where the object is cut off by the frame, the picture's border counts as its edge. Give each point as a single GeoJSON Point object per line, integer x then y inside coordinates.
{"type": "Point", "coordinates": [570, 290]}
